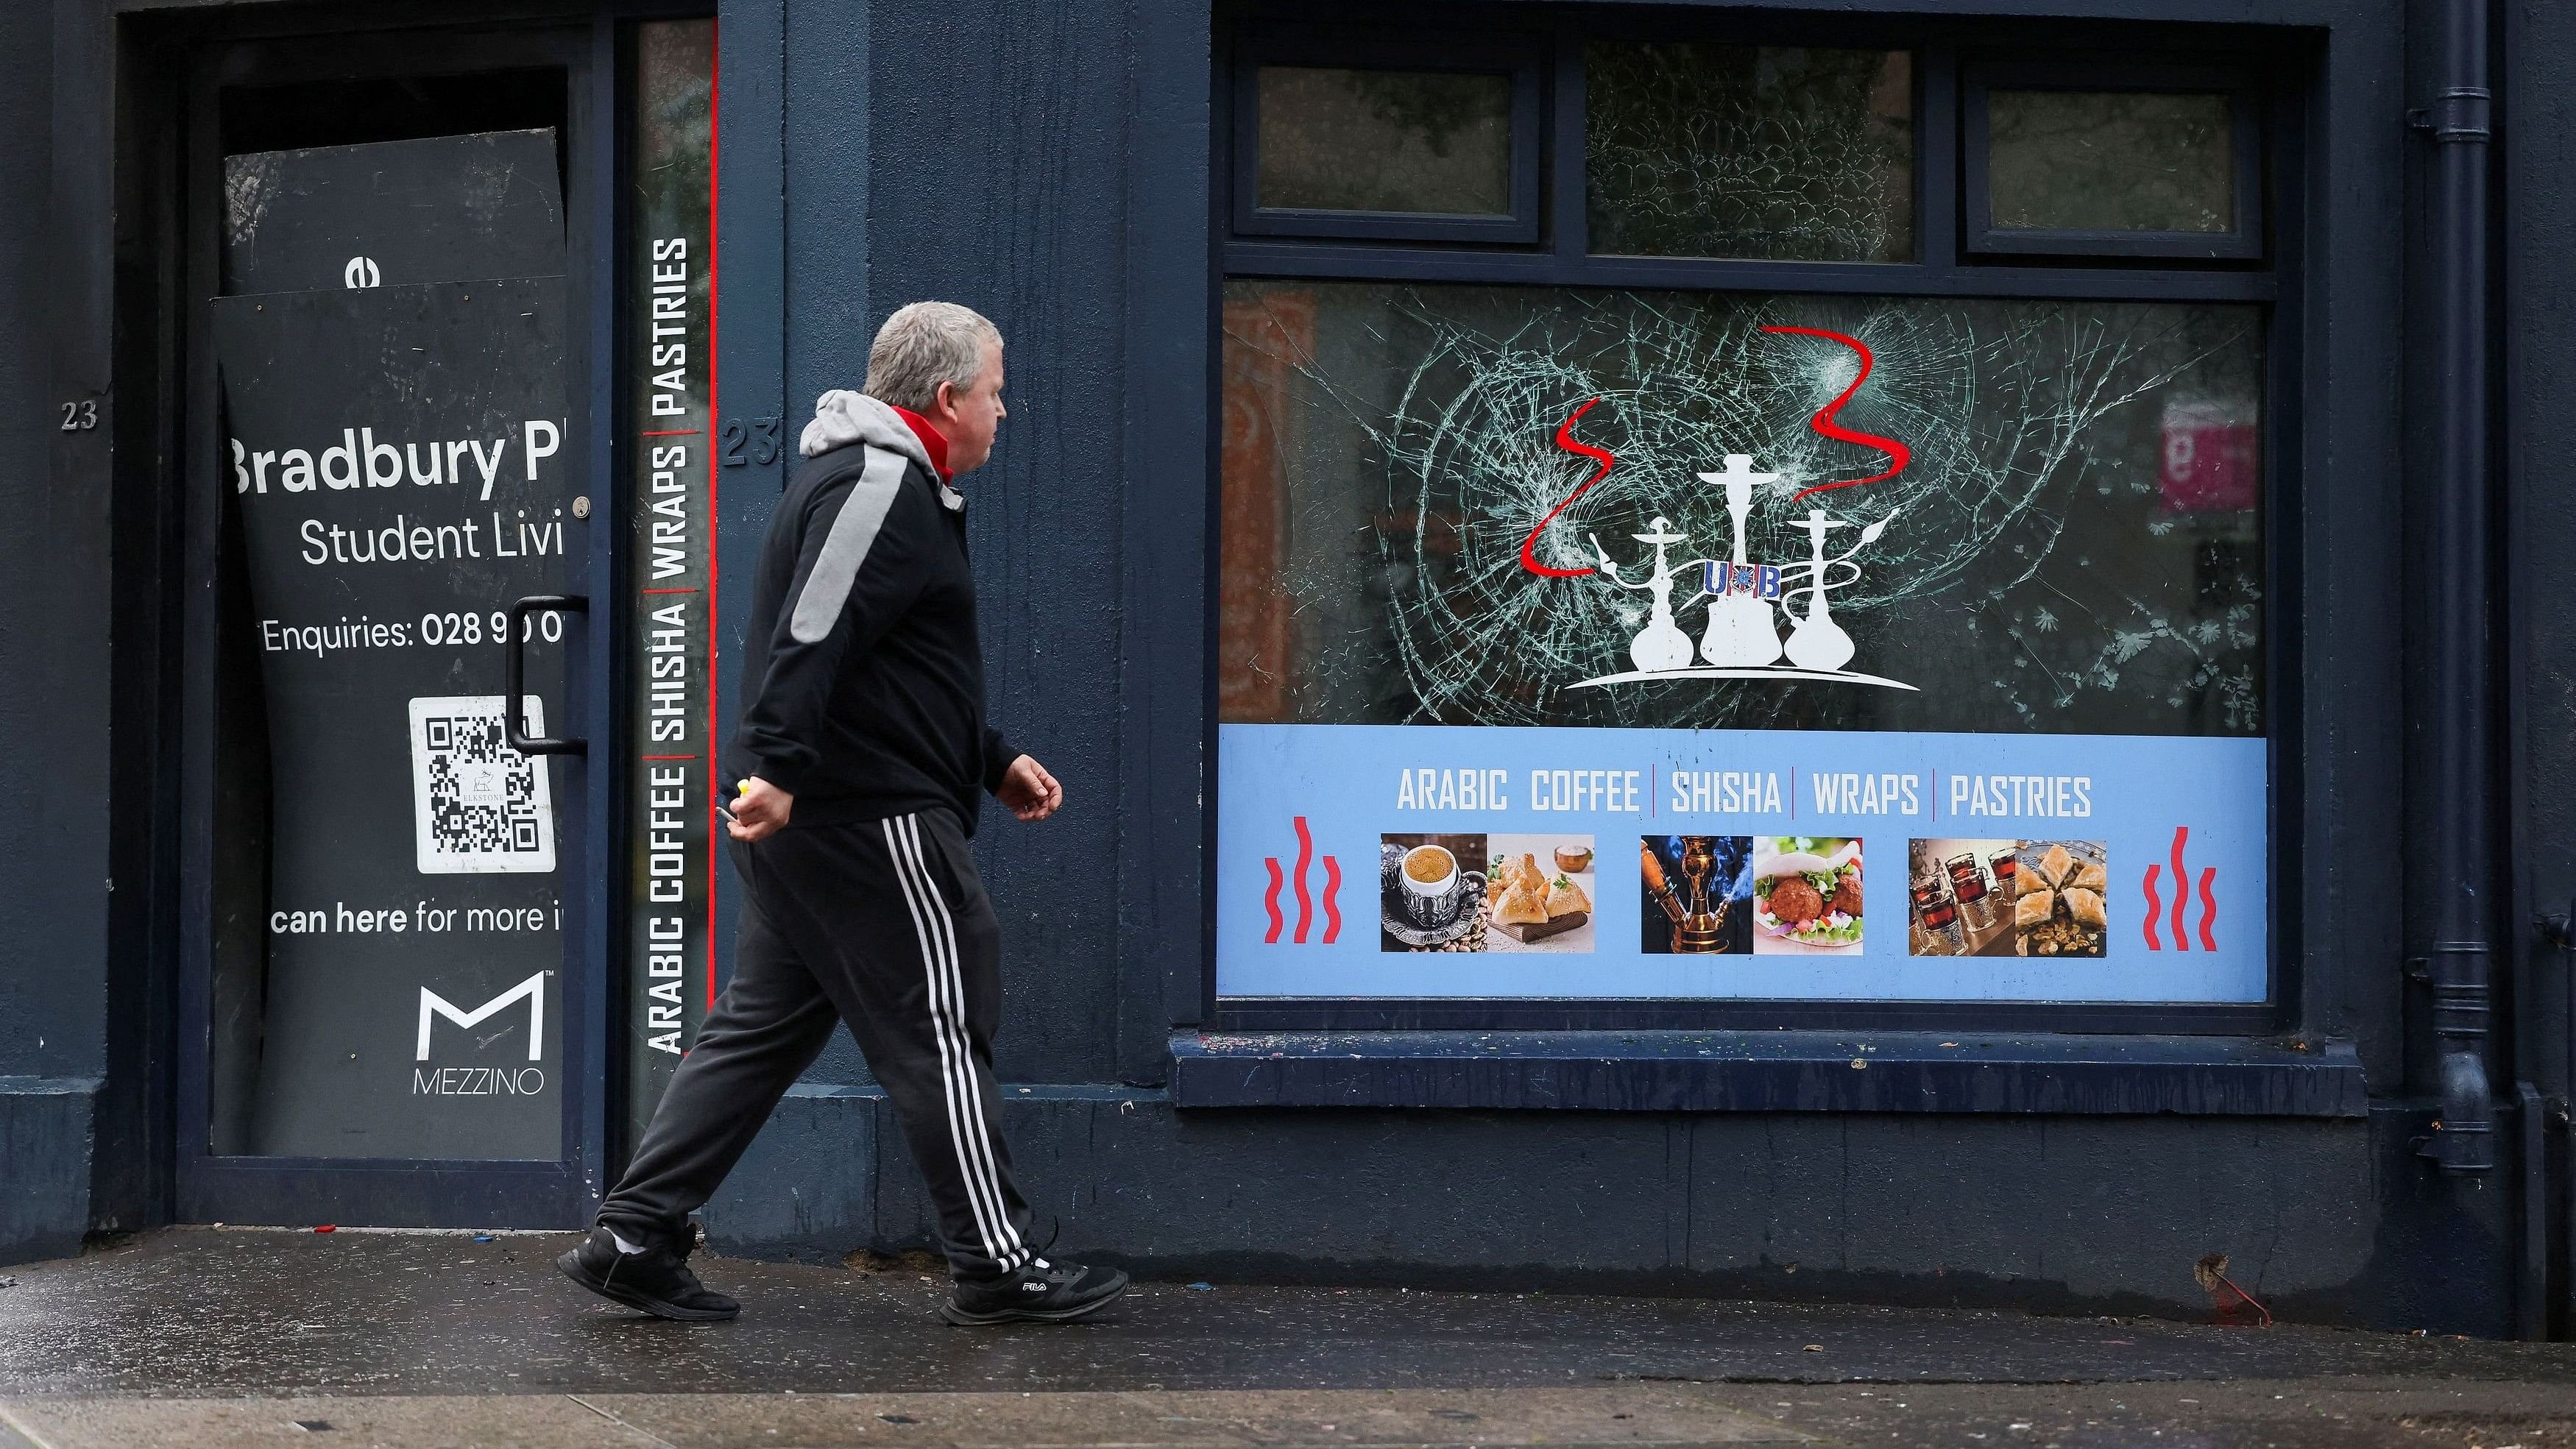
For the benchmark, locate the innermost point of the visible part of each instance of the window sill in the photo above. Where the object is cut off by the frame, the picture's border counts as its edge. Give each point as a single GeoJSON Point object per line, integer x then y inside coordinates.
{"type": "Point", "coordinates": [1780, 1071]}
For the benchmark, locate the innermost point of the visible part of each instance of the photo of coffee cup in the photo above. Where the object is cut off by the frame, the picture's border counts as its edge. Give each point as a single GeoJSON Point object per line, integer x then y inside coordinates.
{"type": "Point", "coordinates": [1431, 894]}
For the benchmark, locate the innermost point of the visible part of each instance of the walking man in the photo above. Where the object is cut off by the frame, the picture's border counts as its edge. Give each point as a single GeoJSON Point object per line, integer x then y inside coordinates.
{"type": "Point", "coordinates": [861, 759]}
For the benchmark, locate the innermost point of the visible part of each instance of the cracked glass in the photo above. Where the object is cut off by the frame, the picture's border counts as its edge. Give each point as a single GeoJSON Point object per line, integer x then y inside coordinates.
{"type": "Point", "coordinates": [1789, 153]}
{"type": "Point", "coordinates": [2074, 543]}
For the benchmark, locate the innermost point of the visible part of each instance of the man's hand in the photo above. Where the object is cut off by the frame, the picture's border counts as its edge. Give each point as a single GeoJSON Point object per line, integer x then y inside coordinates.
{"type": "Point", "coordinates": [1029, 791]}
{"type": "Point", "coordinates": [759, 811]}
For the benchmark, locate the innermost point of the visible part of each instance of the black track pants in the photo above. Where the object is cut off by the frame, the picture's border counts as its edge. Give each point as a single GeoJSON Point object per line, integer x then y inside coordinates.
{"type": "Point", "coordinates": [885, 926]}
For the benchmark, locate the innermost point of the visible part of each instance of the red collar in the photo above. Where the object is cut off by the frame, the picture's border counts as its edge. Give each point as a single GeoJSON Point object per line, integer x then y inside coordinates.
{"type": "Point", "coordinates": [931, 443]}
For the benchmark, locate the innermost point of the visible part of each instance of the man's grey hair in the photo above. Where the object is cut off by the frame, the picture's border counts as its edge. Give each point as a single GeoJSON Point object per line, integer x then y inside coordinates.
{"type": "Point", "coordinates": [924, 345]}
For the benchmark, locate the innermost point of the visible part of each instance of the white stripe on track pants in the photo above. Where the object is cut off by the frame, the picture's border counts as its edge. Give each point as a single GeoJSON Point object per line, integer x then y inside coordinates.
{"type": "Point", "coordinates": [885, 926]}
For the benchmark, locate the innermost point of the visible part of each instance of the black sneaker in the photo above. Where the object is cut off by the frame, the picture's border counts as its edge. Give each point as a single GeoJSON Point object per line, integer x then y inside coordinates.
{"type": "Point", "coordinates": [656, 1280]}
{"type": "Point", "coordinates": [1042, 1292]}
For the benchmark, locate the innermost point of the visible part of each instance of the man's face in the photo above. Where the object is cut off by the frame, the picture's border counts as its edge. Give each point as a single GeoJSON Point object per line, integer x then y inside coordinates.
{"type": "Point", "coordinates": [969, 418]}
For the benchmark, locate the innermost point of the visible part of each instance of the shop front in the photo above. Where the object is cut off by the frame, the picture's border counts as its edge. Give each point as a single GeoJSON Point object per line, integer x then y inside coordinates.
{"type": "Point", "coordinates": [1884, 654]}
{"type": "Point", "coordinates": [1805, 580]}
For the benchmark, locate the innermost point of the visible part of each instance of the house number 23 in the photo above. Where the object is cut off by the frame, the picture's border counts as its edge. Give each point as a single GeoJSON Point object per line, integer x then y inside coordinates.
{"type": "Point", "coordinates": [760, 436]}
{"type": "Point", "coordinates": [80, 417]}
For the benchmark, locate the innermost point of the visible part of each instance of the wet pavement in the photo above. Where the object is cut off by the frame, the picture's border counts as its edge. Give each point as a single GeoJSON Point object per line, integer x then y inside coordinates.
{"type": "Point", "coordinates": [223, 1337]}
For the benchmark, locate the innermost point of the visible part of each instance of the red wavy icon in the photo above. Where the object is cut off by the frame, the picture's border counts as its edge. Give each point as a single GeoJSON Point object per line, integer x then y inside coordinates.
{"type": "Point", "coordinates": [2181, 900]}
{"type": "Point", "coordinates": [1898, 455]}
{"type": "Point", "coordinates": [1305, 901]}
{"type": "Point", "coordinates": [1565, 439]}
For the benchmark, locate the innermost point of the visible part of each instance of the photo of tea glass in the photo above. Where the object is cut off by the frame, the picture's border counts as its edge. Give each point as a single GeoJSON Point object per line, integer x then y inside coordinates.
{"type": "Point", "coordinates": [1431, 892]}
{"type": "Point", "coordinates": [1961, 900]}
{"type": "Point", "coordinates": [2009, 897]}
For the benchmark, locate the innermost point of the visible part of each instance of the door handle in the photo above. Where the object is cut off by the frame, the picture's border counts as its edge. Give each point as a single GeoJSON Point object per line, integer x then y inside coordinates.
{"type": "Point", "coordinates": [515, 677]}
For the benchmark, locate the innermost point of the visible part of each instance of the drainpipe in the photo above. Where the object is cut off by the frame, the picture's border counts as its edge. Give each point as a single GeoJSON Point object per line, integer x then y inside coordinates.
{"type": "Point", "coordinates": [2459, 715]}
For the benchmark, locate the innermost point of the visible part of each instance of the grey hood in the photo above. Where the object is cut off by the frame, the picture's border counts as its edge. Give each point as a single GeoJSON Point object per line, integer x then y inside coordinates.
{"type": "Point", "coordinates": [843, 417]}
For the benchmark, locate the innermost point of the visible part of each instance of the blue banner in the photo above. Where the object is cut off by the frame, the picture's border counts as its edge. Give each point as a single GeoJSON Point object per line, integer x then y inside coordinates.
{"type": "Point", "coordinates": [1417, 861]}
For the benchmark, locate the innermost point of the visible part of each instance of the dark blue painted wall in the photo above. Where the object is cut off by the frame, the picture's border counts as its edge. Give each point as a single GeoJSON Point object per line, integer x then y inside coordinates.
{"type": "Point", "coordinates": [53, 998]}
{"type": "Point", "coordinates": [50, 1020]}
{"type": "Point", "coordinates": [996, 130]}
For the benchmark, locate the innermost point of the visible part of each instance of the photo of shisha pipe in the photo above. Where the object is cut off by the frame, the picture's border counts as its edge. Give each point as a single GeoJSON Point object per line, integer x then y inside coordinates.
{"type": "Point", "coordinates": [1697, 892]}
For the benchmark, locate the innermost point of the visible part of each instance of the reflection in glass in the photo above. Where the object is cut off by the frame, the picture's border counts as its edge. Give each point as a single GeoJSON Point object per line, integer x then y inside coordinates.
{"type": "Point", "coordinates": [2074, 545]}
{"type": "Point", "coordinates": [1776, 152]}
{"type": "Point", "coordinates": [2110, 161]}
{"type": "Point", "coordinates": [1378, 140]}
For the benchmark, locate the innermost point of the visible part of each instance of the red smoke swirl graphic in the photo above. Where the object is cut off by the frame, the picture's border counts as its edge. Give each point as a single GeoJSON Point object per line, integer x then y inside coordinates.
{"type": "Point", "coordinates": [1565, 439]}
{"type": "Point", "coordinates": [2182, 900]}
{"type": "Point", "coordinates": [1305, 901]}
{"type": "Point", "coordinates": [1898, 455]}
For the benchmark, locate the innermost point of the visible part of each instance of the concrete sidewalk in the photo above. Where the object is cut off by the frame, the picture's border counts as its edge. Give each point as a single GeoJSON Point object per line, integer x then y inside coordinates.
{"type": "Point", "coordinates": [221, 1338]}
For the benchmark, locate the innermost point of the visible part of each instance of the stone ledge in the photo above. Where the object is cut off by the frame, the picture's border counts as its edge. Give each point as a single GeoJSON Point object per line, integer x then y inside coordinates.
{"type": "Point", "coordinates": [1782, 1071]}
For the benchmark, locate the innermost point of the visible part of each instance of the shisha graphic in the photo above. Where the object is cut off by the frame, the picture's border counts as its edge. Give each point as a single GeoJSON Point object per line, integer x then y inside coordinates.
{"type": "Point", "coordinates": [1740, 631]}
{"type": "Point", "coordinates": [1661, 647]}
{"type": "Point", "coordinates": [1741, 641]}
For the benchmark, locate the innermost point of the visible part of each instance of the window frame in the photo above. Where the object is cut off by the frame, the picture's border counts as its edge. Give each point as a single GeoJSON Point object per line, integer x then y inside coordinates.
{"type": "Point", "coordinates": [1523, 65]}
{"type": "Point", "coordinates": [1945, 52]}
{"type": "Point", "coordinates": [1979, 80]}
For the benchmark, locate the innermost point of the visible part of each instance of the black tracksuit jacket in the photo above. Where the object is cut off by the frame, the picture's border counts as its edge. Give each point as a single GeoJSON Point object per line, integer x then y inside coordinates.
{"type": "Point", "coordinates": [862, 675]}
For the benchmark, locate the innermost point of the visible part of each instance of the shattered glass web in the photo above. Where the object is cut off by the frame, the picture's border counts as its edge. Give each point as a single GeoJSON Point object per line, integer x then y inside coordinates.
{"type": "Point", "coordinates": [1784, 152]}
{"type": "Point", "coordinates": [2034, 577]}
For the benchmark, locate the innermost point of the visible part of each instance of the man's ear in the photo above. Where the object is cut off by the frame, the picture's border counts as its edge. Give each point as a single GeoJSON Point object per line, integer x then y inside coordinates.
{"type": "Point", "coordinates": [943, 402]}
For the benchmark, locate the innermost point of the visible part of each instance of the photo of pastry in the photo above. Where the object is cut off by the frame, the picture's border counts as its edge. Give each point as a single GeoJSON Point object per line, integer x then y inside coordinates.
{"type": "Point", "coordinates": [1696, 895]}
{"type": "Point", "coordinates": [1539, 892]}
{"type": "Point", "coordinates": [1431, 893]}
{"type": "Point", "coordinates": [2007, 897]}
{"type": "Point", "coordinates": [1960, 896]}
{"type": "Point", "coordinates": [2062, 908]}
{"type": "Point", "coordinates": [1806, 894]}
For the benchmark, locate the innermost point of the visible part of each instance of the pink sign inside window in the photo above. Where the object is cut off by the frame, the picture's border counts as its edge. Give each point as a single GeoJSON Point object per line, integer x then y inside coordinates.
{"type": "Point", "coordinates": [2213, 457]}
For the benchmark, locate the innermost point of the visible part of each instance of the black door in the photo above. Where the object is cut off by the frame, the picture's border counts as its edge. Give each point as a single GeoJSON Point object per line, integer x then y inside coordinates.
{"type": "Point", "coordinates": [393, 1000]}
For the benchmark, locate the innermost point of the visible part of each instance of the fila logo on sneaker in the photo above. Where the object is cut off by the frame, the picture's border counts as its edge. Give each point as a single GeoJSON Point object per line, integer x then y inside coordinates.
{"type": "Point", "coordinates": [1033, 1287]}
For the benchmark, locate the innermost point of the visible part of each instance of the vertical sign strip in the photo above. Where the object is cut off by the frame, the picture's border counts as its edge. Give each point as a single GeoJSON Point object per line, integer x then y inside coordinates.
{"type": "Point", "coordinates": [670, 382]}
{"type": "Point", "coordinates": [715, 243]}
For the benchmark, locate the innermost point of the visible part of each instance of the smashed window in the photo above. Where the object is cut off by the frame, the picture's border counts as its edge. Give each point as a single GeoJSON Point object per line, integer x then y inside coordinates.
{"type": "Point", "coordinates": [1783, 152]}
{"type": "Point", "coordinates": [2073, 543]}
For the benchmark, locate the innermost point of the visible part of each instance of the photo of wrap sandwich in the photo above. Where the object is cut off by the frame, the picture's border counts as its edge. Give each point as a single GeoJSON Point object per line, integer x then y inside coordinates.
{"type": "Point", "coordinates": [1534, 902]}
{"type": "Point", "coordinates": [1806, 894]}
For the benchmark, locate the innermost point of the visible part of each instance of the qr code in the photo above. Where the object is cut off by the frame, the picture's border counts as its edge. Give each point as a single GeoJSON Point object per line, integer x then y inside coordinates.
{"type": "Point", "coordinates": [478, 806]}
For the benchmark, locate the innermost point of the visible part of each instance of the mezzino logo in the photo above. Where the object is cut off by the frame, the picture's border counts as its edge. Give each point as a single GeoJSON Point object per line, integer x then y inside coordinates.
{"type": "Point", "coordinates": [482, 1081]}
